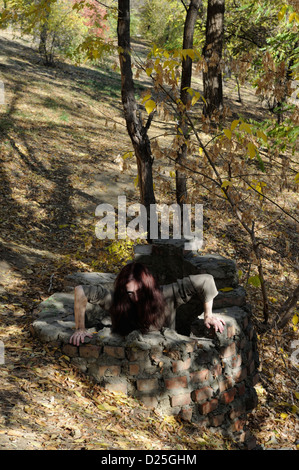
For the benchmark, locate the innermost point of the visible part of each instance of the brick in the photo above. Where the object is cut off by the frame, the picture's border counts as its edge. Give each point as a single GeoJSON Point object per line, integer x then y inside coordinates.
{"type": "Point", "coordinates": [241, 389]}
{"type": "Point", "coordinates": [186, 414]}
{"type": "Point", "coordinates": [228, 396]}
{"type": "Point", "coordinates": [176, 382]}
{"type": "Point", "coordinates": [208, 406]}
{"type": "Point", "coordinates": [109, 370]}
{"type": "Point", "coordinates": [115, 351]}
{"type": "Point", "coordinates": [228, 350]}
{"type": "Point", "coordinates": [117, 387]}
{"type": "Point", "coordinates": [134, 354]}
{"type": "Point", "coordinates": [231, 331]}
{"type": "Point", "coordinates": [156, 358]}
{"type": "Point", "coordinates": [89, 350]}
{"type": "Point", "coordinates": [240, 374]}
{"type": "Point", "coordinates": [180, 400]}
{"type": "Point", "coordinates": [199, 376]}
{"type": "Point", "coordinates": [147, 385]}
{"type": "Point", "coordinates": [70, 350]}
{"type": "Point", "coordinates": [217, 420]}
{"type": "Point", "coordinates": [202, 394]}
{"type": "Point", "coordinates": [225, 383]}
{"type": "Point", "coordinates": [238, 408]}
{"type": "Point", "coordinates": [178, 366]}
{"type": "Point", "coordinates": [236, 361]}
{"type": "Point", "coordinates": [248, 439]}
{"type": "Point", "coordinates": [216, 370]}
{"type": "Point", "coordinates": [134, 369]}
{"type": "Point", "coordinates": [238, 425]}
{"type": "Point", "coordinates": [190, 346]}
{"type": "Point", "coordinates": [149, 401]}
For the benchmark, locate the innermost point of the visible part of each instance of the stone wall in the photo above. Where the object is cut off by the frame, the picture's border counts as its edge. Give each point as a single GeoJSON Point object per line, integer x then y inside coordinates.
{"type": "Point", "coordinates": [204, 376]}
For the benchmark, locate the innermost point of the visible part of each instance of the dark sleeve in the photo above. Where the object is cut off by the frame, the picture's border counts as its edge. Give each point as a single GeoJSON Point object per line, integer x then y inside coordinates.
{"type": "Point", "coordinates": [181, 291]}
{"type": "Point", "coordinates": [98, 295]}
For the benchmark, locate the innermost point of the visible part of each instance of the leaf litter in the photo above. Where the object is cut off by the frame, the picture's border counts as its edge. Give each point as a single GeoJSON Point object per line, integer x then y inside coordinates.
{"type": "Point", "coordinates": [47, 232]}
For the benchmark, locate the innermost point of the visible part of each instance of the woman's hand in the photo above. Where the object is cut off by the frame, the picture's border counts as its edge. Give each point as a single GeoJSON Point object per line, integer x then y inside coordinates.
{"type": "Point", "coordinates": [215, 322]}
{"type": "Point", "coordinates": [79, 335]}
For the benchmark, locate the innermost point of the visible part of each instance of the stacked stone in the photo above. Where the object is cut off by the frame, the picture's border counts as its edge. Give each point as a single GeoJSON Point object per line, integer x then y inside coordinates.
{"type": "Point", "coordinates": [202, 376]}
{"type": "Point", "coordinates": [206, 380]}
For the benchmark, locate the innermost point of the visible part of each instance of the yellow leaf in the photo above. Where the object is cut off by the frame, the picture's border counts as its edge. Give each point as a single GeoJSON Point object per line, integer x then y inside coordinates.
{"type": "Point", "coordinates": [295, 319]}
{"type": "Point", "coordinates": [262, 135]}
{"type": "Point", "coordinates": [251, 150]}
{"type": "Point", "coordinates": [150, 106]}
{"type": "Point", "coordinates": [107, 407]}
{"type": "Point", "coordinates": [146, 97]}
{"type": "Point", "coordinates": [190, 53]}
{"type": "Point", "coordinates": [284, 415]}
{"type": "Point", "coordinates": [127, 155]}
{"type": "Point", "coordinates": [200, 150]}
{"type": "Point", "coordinates": [297, 178]}
{"type": "Point", "coordinates": [226, 289]}
{"type": "Point", "coordinates": [282, 12]}
{"type": "Point", "coordinates": [226, 183]}
{"type": "Point", "coordinates": [149, 71]}
{"type": "Point", "coordinates": [294, 409]}
{"type": "Point", "coordinates": [224, 194]}
{"type": "Point", "coordinates": [234, 124]}
{"type": "Point", "coordinates": [228, 133]}
{"type": "Point", "coordinates": [195, 98]}
{"type": "Point", "coordinates": [255, 281]}
{"type": "Point", "coordinates": [245, 127]}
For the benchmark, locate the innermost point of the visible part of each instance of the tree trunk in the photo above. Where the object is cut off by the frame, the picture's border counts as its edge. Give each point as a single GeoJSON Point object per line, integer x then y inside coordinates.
{"type": "Point", "coordinates": [43, 46]}
{"type": "Point", "coordinates": [212, 76]}
{"type": "Point", "coordinates": [181, 182]}
{"type": "Point", "coordinates": [137, 131]}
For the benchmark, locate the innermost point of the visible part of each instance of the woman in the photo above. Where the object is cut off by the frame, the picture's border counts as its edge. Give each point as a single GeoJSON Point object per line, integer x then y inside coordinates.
{"type": "Point", "coordinates": [138, 303]}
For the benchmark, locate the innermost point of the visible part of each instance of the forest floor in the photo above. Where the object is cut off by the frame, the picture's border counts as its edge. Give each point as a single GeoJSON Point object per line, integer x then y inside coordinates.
{"type": "Point", "coordinates": [62, 137]}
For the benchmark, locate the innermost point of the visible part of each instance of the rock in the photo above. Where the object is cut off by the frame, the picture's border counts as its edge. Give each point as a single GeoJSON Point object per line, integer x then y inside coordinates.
{"type": "Point", "coordinates": [79, 278]}
{"type": "Point", "coordinates": [222, 269]}
{"type": "Point", "coordinates": [168, 262]}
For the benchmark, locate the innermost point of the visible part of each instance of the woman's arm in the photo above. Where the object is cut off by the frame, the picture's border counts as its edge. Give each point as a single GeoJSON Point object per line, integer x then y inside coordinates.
{"type": "Point", "coordinates": [210, 319]}
{"type": "Point", "coordinates": [203, 286]}
{"type": "Point", "coordinates": [80, 303]}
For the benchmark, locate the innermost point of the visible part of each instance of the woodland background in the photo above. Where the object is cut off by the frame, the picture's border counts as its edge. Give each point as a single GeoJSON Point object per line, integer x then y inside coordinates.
{"type": "Point", "coordinates": [192, 102]}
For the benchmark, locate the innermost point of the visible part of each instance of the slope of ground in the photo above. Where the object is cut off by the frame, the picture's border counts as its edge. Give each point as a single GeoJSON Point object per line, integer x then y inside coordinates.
{"type": "Point", "coordinates": [62, 132]}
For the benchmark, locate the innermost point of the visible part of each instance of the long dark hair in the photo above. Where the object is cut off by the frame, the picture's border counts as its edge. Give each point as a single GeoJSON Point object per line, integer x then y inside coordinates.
{"type": "Point", "coordinates": [148, 312]}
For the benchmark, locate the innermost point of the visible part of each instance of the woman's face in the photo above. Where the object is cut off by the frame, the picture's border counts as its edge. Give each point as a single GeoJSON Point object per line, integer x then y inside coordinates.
{"type": "Point", "coordinates": [132, 290]}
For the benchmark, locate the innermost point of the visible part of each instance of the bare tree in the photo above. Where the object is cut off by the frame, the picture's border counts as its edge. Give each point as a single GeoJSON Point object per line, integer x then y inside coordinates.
{"type": "Point", "coordinates": [212, 76]}
{"type": "Point", "coordinates": [137, 131]}
{"type": "Point", "coordinates": [191, 17]}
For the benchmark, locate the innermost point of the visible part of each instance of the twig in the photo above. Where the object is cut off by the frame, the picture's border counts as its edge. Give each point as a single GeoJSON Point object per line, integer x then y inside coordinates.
{"type": "Point", "coordinates": [51, 282]}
